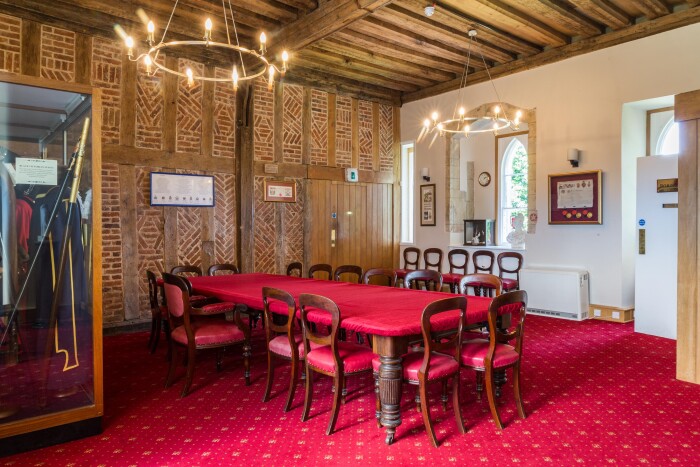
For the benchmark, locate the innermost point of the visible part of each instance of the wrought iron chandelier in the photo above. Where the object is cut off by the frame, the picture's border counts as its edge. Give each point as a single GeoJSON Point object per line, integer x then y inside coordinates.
{"type": "Point", "coordinates": [495, 120]}
{"type": "Point", "coordinates": [262, 65]}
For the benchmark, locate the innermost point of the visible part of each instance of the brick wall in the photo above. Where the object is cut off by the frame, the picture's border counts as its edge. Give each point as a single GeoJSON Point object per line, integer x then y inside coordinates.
{"type": "Point", "coordinates": [365, 135]}
{"type": "Point", "coordinates": [263, 122]}
{"type": "Point", "coordinates": [149, 108]}
{"type": "Point", "coordinates": [319, 127]}
{"type": "Point", "coordinates": [112, 274]}
{"type": "Point", "coordinates": [57, 53]}
{"type": "Point", "coordinates": [189, 109]}
{"type": "Point", "coordinates": [225, 120]}
{"type": "Point", "coordinates": [291, 123]}
{"type": "Point", "coordinates": [343, 132]}
{"type": "Point", "coordinates": [10, 47]}
{"type": "Point", "coordinates": [107, 75]}
{"type": "Point", "coordinates": [386, 138]}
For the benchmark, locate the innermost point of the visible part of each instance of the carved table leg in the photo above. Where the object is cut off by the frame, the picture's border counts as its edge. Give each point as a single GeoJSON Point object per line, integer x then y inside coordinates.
{"type": "Point", "coordinates": [390, 394]}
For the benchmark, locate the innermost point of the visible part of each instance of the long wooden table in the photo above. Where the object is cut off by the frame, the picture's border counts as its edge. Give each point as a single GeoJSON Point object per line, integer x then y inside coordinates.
{"type": "Point", "coordinates": [390, 315]}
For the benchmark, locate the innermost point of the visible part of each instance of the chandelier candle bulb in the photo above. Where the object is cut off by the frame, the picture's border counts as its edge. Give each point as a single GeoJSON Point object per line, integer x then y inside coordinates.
{"type": "Point", "coordinates": [151, 32]}
{"type": "Point", "coordinates": [271, 78]}
{"type": "Point", "coordinates": [234, 77]}
{"type": "Point", "coordinates": [285, 57]}
{"type": "Point", "coordinates": [263, 42]}
{"type": "Point", "coordinates": [129, 46]}
{"type": "Point", "coordinates": [207, 29]}
{"type": "Point", "coordinates": [147, 60]}
{"type": "Point", "coordinates": [190, 77]}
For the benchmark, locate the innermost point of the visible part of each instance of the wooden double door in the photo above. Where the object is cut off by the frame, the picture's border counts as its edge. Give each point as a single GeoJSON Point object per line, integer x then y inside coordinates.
{"type": "Point", "coordinates": [351, 223]}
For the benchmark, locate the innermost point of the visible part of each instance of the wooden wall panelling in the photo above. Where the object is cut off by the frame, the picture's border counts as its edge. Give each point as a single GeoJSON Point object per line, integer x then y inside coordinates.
{"type": "Point", "coordinates": [687, 112]}
{"type": "Point", "coordinates": [208, 235]}
{"type": "Point", "coordinates": [331, 129]}
{"type": "Point", "coordinates": [170, 97]}
{"type": "Point", "coordinates": [83, 58]}
{"type": "Point", "coordinates": [246, 180]}
{"type": "Point", "coordinates": [278, 122]}
{"type": "Point", "coordinates": [31, 48]}
{"type": "Point", "coordinates": [306, 127]}
{"type": "Point", "coordinates": [170, 238]}
{"type": "Point", "coordinates": [396, 240]}
{"type": "Point", "coordinates": [280, 237]}
{"type": "Point", "coordinates": [127, 126]}
{"type": "Point", "coordinates": [129, 250]}
{"type": "Point", "coordinates": [375, 136]}
{"type": "Point", "coordinates": [118, 154]}
{"type": "Point", "coordinates": [208, 108]}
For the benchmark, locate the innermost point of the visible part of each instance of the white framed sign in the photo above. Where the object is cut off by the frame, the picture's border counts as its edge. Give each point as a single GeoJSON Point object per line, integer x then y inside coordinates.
{"type": "Point", "coordinates": [36, 171]}
{"type": "Point", "coordinates": [169, 189]}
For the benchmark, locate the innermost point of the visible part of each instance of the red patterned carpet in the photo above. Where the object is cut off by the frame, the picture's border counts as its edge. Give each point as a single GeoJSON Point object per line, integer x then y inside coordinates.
{"type": "Point", "coordinates": [596, 393]}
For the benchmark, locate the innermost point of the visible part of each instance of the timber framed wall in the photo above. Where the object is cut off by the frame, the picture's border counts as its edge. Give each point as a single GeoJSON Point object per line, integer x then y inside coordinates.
{"type": "Point", "coordinates": [159, 124]}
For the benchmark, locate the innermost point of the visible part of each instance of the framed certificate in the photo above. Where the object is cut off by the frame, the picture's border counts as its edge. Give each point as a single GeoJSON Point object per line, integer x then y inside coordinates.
{"type": "Point", "coordinates": [280, 192]}
{"type": "Point", "coordinates": [168, 189]}
{"type": "Point", "coordinates": [427, 205]}
{"type": "Point", "coordinates": [576, 198]}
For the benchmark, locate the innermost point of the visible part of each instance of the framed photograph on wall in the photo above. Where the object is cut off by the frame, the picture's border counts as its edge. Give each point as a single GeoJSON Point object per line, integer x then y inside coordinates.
{"type": "Point", "coordinates": [576, 198]}
{"type": "Point", "coordinates": [280, 192]}
{"type": "Point", "coordinates": [427, 204]}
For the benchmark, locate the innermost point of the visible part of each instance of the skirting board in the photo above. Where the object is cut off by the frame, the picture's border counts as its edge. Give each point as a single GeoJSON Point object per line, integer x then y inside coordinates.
{"type": "Point", "coordinates": [611, 313]}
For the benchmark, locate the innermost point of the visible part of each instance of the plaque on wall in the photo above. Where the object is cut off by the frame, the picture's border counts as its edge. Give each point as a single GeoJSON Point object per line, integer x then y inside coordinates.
{"type": "Point", "coordinates": [168, 189]}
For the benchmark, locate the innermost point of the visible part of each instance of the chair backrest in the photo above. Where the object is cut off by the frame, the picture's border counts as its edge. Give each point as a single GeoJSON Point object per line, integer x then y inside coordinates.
{"type": "Point", "coordinates": [295, 269]}
{"type": "Point", "coordinates": [322, 267]}
{"type": "Point", "coordinates": [276, 298]}
{"type": "Point", "coordinates": [348, 269]}
{"type": "Point", "coordinates": [152, 290]}
{"type": "Point", "coordinates": [483, 261]}
{"type": "Point", "coordinates": [480, 279]}
{"type": "Point", "coordinates": [452, 260]}
{"type": "Point", "coordinates": [432, 257]}
{"type": "Point", "coordinates": [186, 270]}
{"type": "Point", "coordinates": [503, 263]}
{"type": "Point", "coordinates": [388, 274]}
{"type": "Point", "coordinates": [310, 303]}
{"type": "Point", "coordinates": [214, 268]}
{"type": "Point", "coordinates": [428, 276]}
{"type": "Point", "coordinates": [513, 304]}
{"type": "Point", "coordinates": [408, 263]}
{"type": "Point", "coordinates": [177, 295]}
{"type": "Point", "coordinates": [438, 342]}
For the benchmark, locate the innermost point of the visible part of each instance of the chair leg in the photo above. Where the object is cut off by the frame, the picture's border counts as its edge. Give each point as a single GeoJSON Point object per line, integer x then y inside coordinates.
{"type": "Point", "coordinates": [339, 381]}
{"type": "Point", "coordinates": [191, 350]}
{"type": "Point", "coordinates": [247, 352]}
{"type": "Point", "coordinates": [378, 402]}
{"type": "Point", "coordinates": [166, 328]}
{"type": "Point", "coordinates": [444, 395]}
{"type": "Point", "coordinates": [479, 384]}
{"type": "Point", "coordinates": [292, 385]}
{"type": "Point", "coordinates": [156, 335]}
{"type": "Point", "coordinates": [417, 399]}
{"type": "Point", "coordinates": [307, 394]}
{"type": "Point", "coordinates": [516, 389]}
{"type": "Point", "coordinates": [173, 364]}
{"type": "Point", "coordinates": [270, 376]}
{"type": "Point", "coordinates": [492, 399]}
{"type": "Point", "coordinates": [456, 404]}
{"type": "Point", "coordinates": [151, 337]}
{"type": "Point", "coordinates": [219, 358]}
{"type": "Point", "coordinates": [425, 410]}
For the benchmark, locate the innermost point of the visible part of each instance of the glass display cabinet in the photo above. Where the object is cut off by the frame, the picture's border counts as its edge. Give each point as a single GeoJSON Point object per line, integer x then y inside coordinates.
{"type": "Point", "coordinates": [50, 245]}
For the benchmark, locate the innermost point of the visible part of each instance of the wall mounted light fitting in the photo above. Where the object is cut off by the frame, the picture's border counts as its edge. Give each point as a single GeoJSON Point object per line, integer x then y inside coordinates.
{"type": "Point", "coordinates": [425, 173]}
{"type": "Point", "coordinates": [573, 156]}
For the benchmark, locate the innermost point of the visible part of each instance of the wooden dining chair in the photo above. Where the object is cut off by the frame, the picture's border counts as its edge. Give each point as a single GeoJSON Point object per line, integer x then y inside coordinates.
{"type": "Point", "coordinates": [427, 276]}
{"type": "Point", "coordinates": [322, 268]}
{"type": "Point", "coordinates": [432, 258]}
{"type": "Point", "coordinates": [457, 268]}
{"type": "Point", "coordinates": [295, 269]}
{"type": "Point", "coordinates": [159, 313]}
{"type": "Point", "coordinates": [502, 350]}
{"type": "Point", "coordinates": [201, 333]}
{"type": "Point", "coordinates": [409, 264]}
{"type": "Point", "coordinates": [348, 269]}
{"type": "Point", "coordinates": [224, 267]}
{"type": "Point", "coordinates": [483, 261]}
{"type": "Point", "coordinates": [186, 270]}
{"type": "Point", "coordinates": [284, 341]}
{"type": "Point", "coordinates": [478, 280]}
{"type": "Point", "coordinates": [332, 357]}
{"type": "Point", "coordinates": [505, 262]}
{"type": "Point", "coordinates": [438, 362]}
{"type": "Point", "coordinates": [386, 277]}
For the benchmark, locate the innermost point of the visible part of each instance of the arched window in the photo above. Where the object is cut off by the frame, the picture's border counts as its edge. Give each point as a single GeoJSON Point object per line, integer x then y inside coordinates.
{"type": "Point", "coordinates": [668, 142]}
{"type": "Point", "coordinates": [513, 187]}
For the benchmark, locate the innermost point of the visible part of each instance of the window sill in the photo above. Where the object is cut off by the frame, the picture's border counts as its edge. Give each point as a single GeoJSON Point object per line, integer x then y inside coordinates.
{"type": "Point", "coordinates": [490, 247]}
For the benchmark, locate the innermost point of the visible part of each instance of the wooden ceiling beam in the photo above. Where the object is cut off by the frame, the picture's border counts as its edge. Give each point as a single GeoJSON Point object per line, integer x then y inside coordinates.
{"type": "Point", "coordinates": [328, 18]}
{"type": "Point", "coordinates": [651, 8]}
{"type": "Point", "coordinates": [371, 43]}
{"type": "Point", "coordinates": [449, 16]}
{"type": "Point", "coordinates": [458, 39]}
{"type": "Point", "coordinates": [276, 10]}
{"type": "Point", "coordinates": [242, 16]}
{"type": "Point", "coordinates": [304, 5]}
{"type": "Point", "coordinates": [565, 16]}
{"type": "Point", "coordinates": [637, 31]}
{"type": "Point", "coordinates": [604, 12]}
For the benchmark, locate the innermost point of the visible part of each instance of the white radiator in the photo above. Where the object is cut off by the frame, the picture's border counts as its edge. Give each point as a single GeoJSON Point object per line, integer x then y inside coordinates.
{"type": "Point", "coordinates": [561, 293]}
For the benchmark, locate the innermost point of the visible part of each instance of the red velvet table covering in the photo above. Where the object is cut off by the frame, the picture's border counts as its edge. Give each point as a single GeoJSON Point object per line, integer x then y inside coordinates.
{"type": "Point", "coordinates": [378, 310]}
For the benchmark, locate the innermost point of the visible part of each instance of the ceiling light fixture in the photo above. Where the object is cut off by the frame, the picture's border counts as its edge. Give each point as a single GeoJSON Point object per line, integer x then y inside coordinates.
{"type": "Point", "coordinates": [430, 10]}
{"type": "Point", "coordinates": [495, 121]}
{"type": "Point", "coordinates": [260, 64]}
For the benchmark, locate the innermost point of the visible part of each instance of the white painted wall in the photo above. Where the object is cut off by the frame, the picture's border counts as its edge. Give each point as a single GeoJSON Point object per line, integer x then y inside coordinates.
{"type": "Point", "coordinates": [579, 104]}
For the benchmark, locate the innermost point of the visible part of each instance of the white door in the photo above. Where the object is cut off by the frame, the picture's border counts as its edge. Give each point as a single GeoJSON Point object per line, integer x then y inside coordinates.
{"type": "Point", "coordinates": [655, 270]}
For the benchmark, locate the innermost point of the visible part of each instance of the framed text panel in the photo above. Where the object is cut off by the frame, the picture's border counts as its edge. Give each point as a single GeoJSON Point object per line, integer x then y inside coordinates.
{"type": "Point", "coordinates": [576, 198]}
{"type": "Point", "coordinates": [168, 189]}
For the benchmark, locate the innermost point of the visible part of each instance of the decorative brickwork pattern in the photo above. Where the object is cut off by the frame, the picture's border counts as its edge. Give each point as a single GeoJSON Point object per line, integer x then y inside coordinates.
{"type": "Point", "coordinates": [106, 74]}
{"type": "Point", "coordinates": [294, 227]}
{"type": "Point", "coordinates": [264, 129]}
{"type": "Point", "coordinates": [10, 43]}
{"type": "Point", "coordinates": [189, 232]}
{"type": "Point", "coordinates": [149, 226]}
{"type": "Point", "coordinates": [189, 110]}
{"type": "Point", "coordinates": [112, 275]}
{"type": "Point", "coordinates": [343, 131]}
{"type": "Point", "coordinates": [365, 134]}
{"type": "Point", "coordinates": [265, 237]}
{"type": "Point", "coordinates": [149, 108]}
{"type": "Point", "coordinates": [225, 218]}
{"type": "Point", "coordinates": [386, 138]}
{"type": "Point", "coordinates": [319, 127]}
{"type": "Point", "coordinates": [57, 53]}
{"type": "Point", "coordinates": [293, 97]}
{"type": "Point", "coordinates": [224, 117]}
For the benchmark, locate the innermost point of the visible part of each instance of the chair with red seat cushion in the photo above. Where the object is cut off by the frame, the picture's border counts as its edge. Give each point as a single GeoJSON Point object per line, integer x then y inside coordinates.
{"type": "Point", "coordinates": [332, 357]}
{"type": "Point", "coordinates": [370, 276]}
{"type": "Point", "coordinates": [159, 313]}
{"type": "Point", "coordinates": [457, 270]}
{"type": "Point", "coordinates": [323, 268]}
{"type": "Point", "coordinates": [348, 269]}
{"type": "Point", "coordinates": [498, 353]}
{"type": "Point", "coordinates": [189, 270]}
{"type": "Point", "coordinates": [224, 267]}
{"type": "Point", "coordinates": [408, 264]}
{"type": "Point", "coordinates": [483, 261]}
{"type": "Point", "coordinates": [295, 269]}
{"type": "Point", "coordinates": [505, 261]}
{"type": "Point", "coordinates": [438, 362]}
{"type": "Point", "coordinates": [284, 341]}
{"type": "Point", "coordinates": [427, 276]}
{"type": "Point", "coordinates": [489, 281]}
{"type": "Point", "coordinates": [202, 333]}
